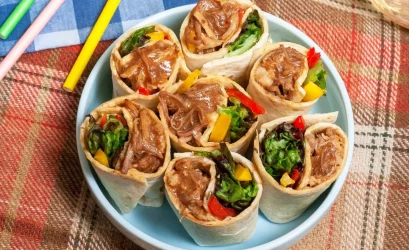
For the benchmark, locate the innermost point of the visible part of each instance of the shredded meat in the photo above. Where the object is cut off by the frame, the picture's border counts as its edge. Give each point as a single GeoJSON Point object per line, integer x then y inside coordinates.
{"type": "Point", "coordinates": [186, 113]}
{"type": "Point", "coordinates": [279, 70]}
{"type": "Point", "coordinates": [146, 147]}
{"type": "Point", "coordinates": [189, 182]}
{"type": "Point", "coordinates": [327, 152]}
{"type": "Point", "coordinates": [212, 23]}
{"type": "Point", "coordinates": [149, 66]}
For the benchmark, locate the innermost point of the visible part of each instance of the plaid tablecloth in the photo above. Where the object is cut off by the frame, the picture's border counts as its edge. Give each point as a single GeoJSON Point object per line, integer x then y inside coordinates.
{"type": "Point", "coordinates": [75, 19]}
{"type": "Point", "coordinates": [45, 202]}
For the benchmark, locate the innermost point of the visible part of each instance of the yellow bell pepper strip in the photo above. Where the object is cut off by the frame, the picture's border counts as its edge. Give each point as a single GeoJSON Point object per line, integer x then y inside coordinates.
{"type": "Point", "coordinates": [101, 157]}
{"type": "Point", "coordinates": [286, 180]}
{"type": "Point", "coordinates": [156, 36]}
{"type": "Point", "coordinates": [242, 173]}
{"type": "Point", "coordinates": [191, 47]}
{"type": "Point", "coordinates": [188, 82]}
{"type": "Point", "coordinates": [220, 128]}
{"type": "Point", "coordinates": [312, 92]}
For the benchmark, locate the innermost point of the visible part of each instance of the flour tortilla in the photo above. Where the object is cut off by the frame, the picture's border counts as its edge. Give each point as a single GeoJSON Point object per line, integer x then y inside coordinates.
{"type": "Point", "coordinates": [239, 146]}
{"type": "Point", "coordinates": [133, 187]}
{"type": "Point", "coordinates": [275, 106]}
{"type": "Point", "coordinates": [217, 62]}
{"type": "Point", "coordinates": [120, 88]}
{"type": "Point", "coordinates": [280, 204]}
{"type": "Point", "coordinates": [216, 232]}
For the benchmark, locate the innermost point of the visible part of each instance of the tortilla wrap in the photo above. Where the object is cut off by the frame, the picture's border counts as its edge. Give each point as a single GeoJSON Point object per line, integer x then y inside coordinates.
{"type": "Point", "coordinates": [276, 106]}
{"type": "Point", "coordinates": [231, 230]}
{"type": "Point", "coordinates": [240, 146]}
{"type": "Point", "coordinates": [127, 190]}
{"type": "Point", "coordinates": [280, 204]}
{"type": "Point", "coordinates": [234, 67]}
{"type": "Point", "coordinates": [120, 88]}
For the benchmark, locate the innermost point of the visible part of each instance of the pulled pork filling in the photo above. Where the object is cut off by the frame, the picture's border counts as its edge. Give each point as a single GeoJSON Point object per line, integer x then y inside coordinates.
{"type": "Point", "coordinates": [149, 66]}
{"type": "Point", "coordinates": [279, 70]}
{"type": "Point", "coordinates": [145, 150]}
{"type": "Point", "coordinates": [188, 183]}
{"type": "Point", "coordinates": [327, 152]}
{"type": "Point", "coordinates": [186, 113]}
{"type": "Point", "coordinates": [211, 24]}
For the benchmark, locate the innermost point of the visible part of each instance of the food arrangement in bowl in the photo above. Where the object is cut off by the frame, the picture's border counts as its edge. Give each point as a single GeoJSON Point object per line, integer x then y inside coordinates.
{"type": "Point", "coordinates": [217, 122]}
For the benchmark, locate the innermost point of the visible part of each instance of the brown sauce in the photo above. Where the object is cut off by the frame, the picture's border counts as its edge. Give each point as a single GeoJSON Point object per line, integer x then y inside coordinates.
{"type": "Point", "coordinates": [212, 23]}
{"type": "Point", "coordinates": [186, 113]}
{"type": "Point", "coordinates": [149, 66]}
{"type": "Point", "coordinates": [146, 148]}
{"type": "Point", "coordinates": [327, 152]}
{"type": "Point", "coordinates": [189, 182]}
{"type": "Point", "coordinates": [279, 70]}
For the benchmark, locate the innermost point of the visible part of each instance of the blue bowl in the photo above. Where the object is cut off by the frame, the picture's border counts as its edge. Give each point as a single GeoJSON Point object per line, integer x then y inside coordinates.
{"type": "Point", "coordinates": [159, 227]}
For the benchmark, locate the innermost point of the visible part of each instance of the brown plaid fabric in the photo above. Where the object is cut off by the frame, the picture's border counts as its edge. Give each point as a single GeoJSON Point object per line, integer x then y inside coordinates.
{"type": "Point", "coordinates": [45, 202]}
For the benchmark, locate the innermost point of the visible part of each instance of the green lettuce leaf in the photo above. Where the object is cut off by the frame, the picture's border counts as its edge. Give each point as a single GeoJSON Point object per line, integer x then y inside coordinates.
{"type": "Point", "coordinates": [281, 151]}
{"type": "Point", "coordinates": [249, 35]}
{"type": "Point", "coordinates": [229, 191]}
{"type": "Point", "coordinates": [321, 80]}
{"type": "Point", "coordinates": [111, 138]}
{"type": "Point", "coordinates": [115, 135]}
{"type": "Point", "coordinates": [240, 119]}
{"type": "Point", "coordinates": [94, 135]}
{"type": "Point", "coordinates": [137, 39]}
{"type": "Point", "coordinates": [318, 75]}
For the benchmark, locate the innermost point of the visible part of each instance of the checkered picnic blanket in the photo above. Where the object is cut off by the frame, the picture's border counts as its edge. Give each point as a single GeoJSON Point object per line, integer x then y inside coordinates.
{"type": "Point", "coordinates": [74, 20]}
{"type": "Point", "coordinates": [45, 202]}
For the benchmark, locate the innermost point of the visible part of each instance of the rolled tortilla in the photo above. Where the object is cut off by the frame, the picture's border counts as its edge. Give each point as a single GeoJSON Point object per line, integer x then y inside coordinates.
{"type": "Point", "coordinates": [283, 204]}
{"type": "Point", "coordinates": [179, 68]}
{"type": "Point", "coordinates": [278, 106]}
{"type": "Point", "coordinates": [208, 230]}
{"type": "Point", "coordinates": [218, 62]}
{"type": "Point", "coordinates": [128, 188]}
{"type": "Point", "coordinates": [239, 146]}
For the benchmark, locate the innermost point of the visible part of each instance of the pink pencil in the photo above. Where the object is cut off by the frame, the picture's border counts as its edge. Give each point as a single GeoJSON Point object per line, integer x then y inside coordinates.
{"type": "Point", "coordinates": [29, 36]}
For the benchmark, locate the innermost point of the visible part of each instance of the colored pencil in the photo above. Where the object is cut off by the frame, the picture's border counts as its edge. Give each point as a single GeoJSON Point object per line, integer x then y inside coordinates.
{"type": "Point", "coordinates": [90, 45]}
{"type": "Point", "coordinates": [29, 36]}
{"type": "Point", "coordinates": [11, 22]}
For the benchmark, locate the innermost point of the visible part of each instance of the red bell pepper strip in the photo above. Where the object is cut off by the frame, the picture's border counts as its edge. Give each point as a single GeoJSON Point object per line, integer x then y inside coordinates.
{"type": "Point", "coordinates": [295, 174]}
{"type": "Point", "coordinates": [310, 52]}
{"type": "Point", "coordinates": [296, 134]}
{"type": "Point", "coordinates": [144, 91]}
{"type": "Point", "coordinates": [103, 120]}
{"type": "Point", "coordinates": [299, 123]}
{"type": "Point", "coordinates": [247, 101]}
{"type": "Point", "coordinates": [166, 37]}
{"type": "Point", "coordinates": [313, 60]}
{"type": "Point", "coordinates": [219, 210]}
{"type": "Point", "coordinates": [120, 119]}
{"type": "Point", "coordinates": [241, 13]}
{"type": "Point", "coordinates": [312, 57]}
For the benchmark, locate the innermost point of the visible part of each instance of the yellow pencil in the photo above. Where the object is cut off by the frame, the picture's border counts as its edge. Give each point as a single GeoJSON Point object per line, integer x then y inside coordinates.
{"type": "Point", "coordinates": [90, 45]}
